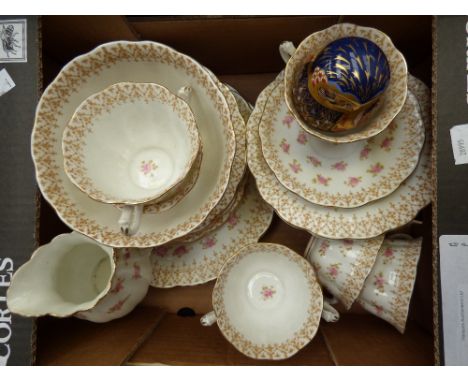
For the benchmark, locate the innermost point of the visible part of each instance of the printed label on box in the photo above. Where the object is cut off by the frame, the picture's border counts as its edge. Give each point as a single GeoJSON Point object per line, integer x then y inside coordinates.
{"type": "Point", "coordinates": [6, 82]}
{"type": "Point", "coordinates": [459, 137]}
{"type": "Point", "coordinates": [13, 35]}
{"type": "Point", "coordinates": [454, 285]}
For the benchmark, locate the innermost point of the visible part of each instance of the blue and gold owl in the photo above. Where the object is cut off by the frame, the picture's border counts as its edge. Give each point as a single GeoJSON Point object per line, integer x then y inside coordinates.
{"type": "Point", "coordinates": [346, 78]}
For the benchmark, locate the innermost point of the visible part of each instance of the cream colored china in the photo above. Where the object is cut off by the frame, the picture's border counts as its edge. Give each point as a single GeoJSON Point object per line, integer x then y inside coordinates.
{"type": "Point", "coordinates": [238, 165]}
{"type": "Point", "coordinates": [132, 62]}
{"type": "Point", "coordinates": [240, 113]}
{"type": "Point", "coordinates": [343, 265]}
{"type": "Point", "coordinates": [363, 222]}
{"type": "Point", "coordinates": [345, 175]}
{"type": "Point", "coordinates": [389, 286]}
{"type": "Point", "coordinates": [392, 100]}
{"type": "Point", "coordinates": [75, 275]}
{"type": "Point", "coordinates": [130, 143]}
{"type": "Point", "coordinates": [200, 261]}
{"type": "Point", "coordinates": [179, 192]}
{"type": "Point", "coordinates": [220, 219]}
{"type": "Point", "coordinates": [267, 301]}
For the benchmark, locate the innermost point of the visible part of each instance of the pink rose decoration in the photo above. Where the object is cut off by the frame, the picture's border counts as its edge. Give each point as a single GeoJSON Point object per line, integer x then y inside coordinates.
{"type": "Point", "coordinates": [340, 166]}
{"type": "Point", "coordinates": [287, 120]}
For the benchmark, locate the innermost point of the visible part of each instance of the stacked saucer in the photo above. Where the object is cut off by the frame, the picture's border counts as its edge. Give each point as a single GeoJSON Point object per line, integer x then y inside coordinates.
{"type": "Point", "coordinates": [342, 187]}
{"type": "Point", "coordinates": [179, 182]}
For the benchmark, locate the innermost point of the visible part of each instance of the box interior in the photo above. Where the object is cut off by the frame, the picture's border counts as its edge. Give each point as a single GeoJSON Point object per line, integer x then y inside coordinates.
{"type": "Point", "coordinates": [165, 329]}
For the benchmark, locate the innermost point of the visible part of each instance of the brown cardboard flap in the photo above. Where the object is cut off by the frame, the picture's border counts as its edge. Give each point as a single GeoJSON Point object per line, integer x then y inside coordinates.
{"type": "Point", "coordinates": [183, 341]}
{"type": "Point", "coordinates": [368, 340]}
{"type": "Point", "coordinates": [76, 342]}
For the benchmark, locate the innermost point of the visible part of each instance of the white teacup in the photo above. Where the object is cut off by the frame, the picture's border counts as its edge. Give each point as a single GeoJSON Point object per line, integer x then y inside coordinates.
{"type": "Point", "coordinates": [343, 265]}
{"type": "Point", "coordinates": [75, 275]}
{"type": "Point", "coordinates": [267, 301]}
{"type": "Point", "coordinates": [131, 144]}
{"type": "Point", "coordinates": [389, 286]}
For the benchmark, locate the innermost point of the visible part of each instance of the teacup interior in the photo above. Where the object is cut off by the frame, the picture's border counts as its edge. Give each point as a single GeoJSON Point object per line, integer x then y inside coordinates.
{"type": "Point", "coordinates": [61, 280]}
{"type": "Point", "coordinates": [267, 297]}
{"type": "Point", "coordinates": [136, 151]}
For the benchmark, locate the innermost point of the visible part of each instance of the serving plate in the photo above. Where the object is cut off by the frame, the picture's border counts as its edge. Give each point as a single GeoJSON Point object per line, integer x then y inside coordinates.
{"type": "Point", "coordinates": [133, 62]}
{"type": "Point", "coordinates": [340, 175]}
{"type": "Point", "coordinates": [200, 261]}
{"type": "Point", "coordinates": [363, 222]}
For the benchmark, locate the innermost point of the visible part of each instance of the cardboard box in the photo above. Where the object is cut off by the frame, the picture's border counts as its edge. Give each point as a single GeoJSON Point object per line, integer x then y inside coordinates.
{"type": "Point", "coordinates": [243, 52]}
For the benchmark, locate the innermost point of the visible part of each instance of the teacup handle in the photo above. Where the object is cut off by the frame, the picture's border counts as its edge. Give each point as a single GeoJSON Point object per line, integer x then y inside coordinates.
{"type": "Point", "coordinates": [286, 50]}
{"type": "Point", "coordinates": [130, 219]}
{"type": "Point", "coordinates": [185, 92]}
{"type": "Point", "coordinates": [329, 313]}
{"type": "Point", "coordinates": [208, 319]}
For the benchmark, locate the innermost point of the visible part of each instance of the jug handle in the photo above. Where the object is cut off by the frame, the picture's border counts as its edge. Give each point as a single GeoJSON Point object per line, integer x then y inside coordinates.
{"type": "Point", "coordinates": [286, 50]}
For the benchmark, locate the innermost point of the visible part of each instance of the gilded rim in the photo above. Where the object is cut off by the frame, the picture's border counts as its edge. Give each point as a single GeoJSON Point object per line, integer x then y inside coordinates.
{"type": "Point", "coordinates": [245, 225]}
{"type": "Point", "coordinates": [395, 94]}
{"type": "Point", "coordinates": [394, 171]}
{"type": "Point", "coordinates": [397, 313]}
{"type": "Point", "coordinates": [102, 102]}
{"type": "Point", "coordinates": [363, 222]}
{"type": "Point", "coordinates": [56, 187]}
{"type": "Point", "coordinates": [301, 338]}
{"type": "Point", "coordinates": [349, 291]}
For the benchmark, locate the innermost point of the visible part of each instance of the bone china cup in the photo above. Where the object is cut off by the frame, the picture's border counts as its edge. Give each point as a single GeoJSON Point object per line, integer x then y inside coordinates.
{"type": "Point", "coordinates": [75, 275]}
{"type": "Point", "coordinates": [389, 286]}
{"type": "Point", "coordinates": [267, 301]}
{"type": "Point", "coordinates": [130, 143]}
{"type": "Point", "coordinates": [343, 265]}
{"type": "Point", "coordinates": [360, 124]}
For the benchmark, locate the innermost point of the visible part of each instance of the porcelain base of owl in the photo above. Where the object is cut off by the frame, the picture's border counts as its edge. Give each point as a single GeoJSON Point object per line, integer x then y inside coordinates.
{"type": "Point", "coordinates": [321, 118]}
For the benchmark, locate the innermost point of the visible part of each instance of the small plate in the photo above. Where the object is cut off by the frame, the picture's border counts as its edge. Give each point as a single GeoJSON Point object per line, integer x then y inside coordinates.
{"type": "Point", "coordinates": [267, 301]}
{"type": "Point", "coordinates": [340, 175]}
{"type": "Point", "coordinates": [367, 221]}
{"type": "Point", "coordinates": [200, 261]}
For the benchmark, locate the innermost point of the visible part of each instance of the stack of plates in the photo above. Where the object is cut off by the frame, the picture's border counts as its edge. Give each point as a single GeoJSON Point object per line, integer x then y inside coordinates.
{"type": "Point", "coordinates": [349, 190]}
{"type": "Point", "coordinates": [218, 207]}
